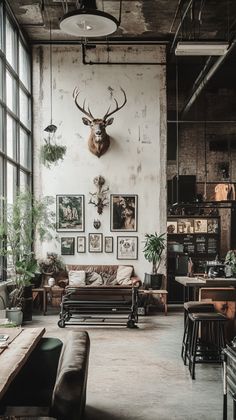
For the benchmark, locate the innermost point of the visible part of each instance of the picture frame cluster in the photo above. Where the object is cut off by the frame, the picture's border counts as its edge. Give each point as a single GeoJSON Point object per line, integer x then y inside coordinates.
{"type": "Point", "coordinates": [70, 217]}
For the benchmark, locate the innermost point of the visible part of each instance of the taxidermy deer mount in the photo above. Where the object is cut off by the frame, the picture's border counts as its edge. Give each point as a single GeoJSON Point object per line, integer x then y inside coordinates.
{"type": "Point", "coordinates": [99, 198]}
{"type": "Point", "coordinates": [99, 140]}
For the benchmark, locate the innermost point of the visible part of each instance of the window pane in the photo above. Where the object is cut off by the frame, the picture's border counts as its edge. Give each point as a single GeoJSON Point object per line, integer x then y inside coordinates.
{"type": "Point", "coordinates": [23, 182]}
{"type": "Point", "coordinates": [10, 44]}
{"type": "Point", "coordinates": [25, 149]}
{"type": "Point", "coordinates": [11, 92]}
{"type": "Point", "coordinates": [11, 183]}
{"type": "Point", "coordinates": [25, 112]}
{"type": "Point", "coordinates": [1, 178]}
{"type": "Point", "coordinates": [24, 66]}
{"type": "Point", "coordinates": [11, 137]}
{"type": "Point", "coordinates": [1, 128]}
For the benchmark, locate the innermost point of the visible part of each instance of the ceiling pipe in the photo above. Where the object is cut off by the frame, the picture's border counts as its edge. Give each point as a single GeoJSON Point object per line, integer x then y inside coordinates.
{"type": "Point", "coordinates": [176, 14]}
{"type": "Point", "coordinates": [205, 80]}
{"type": "Point", "coordinates": [180, 24]}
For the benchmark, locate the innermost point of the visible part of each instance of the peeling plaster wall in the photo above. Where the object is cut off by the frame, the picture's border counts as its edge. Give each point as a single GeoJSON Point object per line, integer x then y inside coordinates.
{"type": "Point", "coordinates": [136, 160]}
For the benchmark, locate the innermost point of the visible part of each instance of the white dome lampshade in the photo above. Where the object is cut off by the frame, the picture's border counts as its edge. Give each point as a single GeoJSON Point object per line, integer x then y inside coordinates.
{"type": "Point", "coordinates": [88, 23]}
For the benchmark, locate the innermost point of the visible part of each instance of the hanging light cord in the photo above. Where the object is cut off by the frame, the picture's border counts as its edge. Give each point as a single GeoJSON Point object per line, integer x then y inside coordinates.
{"type": "Point", "coordinates": [50, 63]}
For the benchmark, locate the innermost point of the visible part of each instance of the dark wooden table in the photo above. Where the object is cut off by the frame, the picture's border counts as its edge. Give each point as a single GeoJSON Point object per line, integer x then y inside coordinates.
{"type": "Point", "coordinates": [21, 343]}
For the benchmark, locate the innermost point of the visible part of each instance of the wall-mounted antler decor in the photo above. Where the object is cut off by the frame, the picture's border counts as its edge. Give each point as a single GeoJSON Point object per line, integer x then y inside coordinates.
{"type": "Point", "coordinates": [99, 198]}
{"type": "Point", "coordinates": [99, 140]}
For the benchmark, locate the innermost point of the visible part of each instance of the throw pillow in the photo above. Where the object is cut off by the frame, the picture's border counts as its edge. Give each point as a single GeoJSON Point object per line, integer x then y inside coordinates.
{"type": "Point", "coordinates": [123, 274]}
{"type": "Point", "coordinates": [93, 279]}
{"type": "Point", "coordinates": [109, 279]}
{"type": "Point", "coordinates": [76, 278]}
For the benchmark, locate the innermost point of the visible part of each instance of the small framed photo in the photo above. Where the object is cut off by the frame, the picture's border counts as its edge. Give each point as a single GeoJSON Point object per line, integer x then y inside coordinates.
{"type": "Point", "coordinates": [108, 244]}
{"type": "Point", "coordinates": [127, 247]}
{"type": "Point", "coordinates": [95, 242]}
{"type": "Point", "coordinates": [200, 225]}
{"type": "Point", "coordinates": [81, 244]}
{"type": "Point", "coordinates": [172, 227]}
{"type": "Point", "coordinates": [70, 213]}
{"type": "Point", "coordinates": [124, 212]}
{"type": "Point", "coordinates": [67, 246]}
{"type": "Point", "coordinates": [212, 226]}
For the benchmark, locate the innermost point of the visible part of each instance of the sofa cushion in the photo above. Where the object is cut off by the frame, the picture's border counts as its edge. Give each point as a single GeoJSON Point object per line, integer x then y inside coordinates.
{"type": "Point", "coordinates": [94, 279]}
{"type": "Point", "coordinates": [76, 278]}
{"type": "Point", "coordinates": [123, 274]}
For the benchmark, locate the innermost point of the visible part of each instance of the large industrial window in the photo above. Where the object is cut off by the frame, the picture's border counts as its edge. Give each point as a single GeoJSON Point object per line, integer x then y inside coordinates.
{"type": "Point", "coordinates": [15, 112]}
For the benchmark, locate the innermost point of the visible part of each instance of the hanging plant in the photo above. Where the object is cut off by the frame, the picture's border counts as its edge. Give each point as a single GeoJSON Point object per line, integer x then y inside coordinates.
{"type": "Point", "coordinates": [51, 153]}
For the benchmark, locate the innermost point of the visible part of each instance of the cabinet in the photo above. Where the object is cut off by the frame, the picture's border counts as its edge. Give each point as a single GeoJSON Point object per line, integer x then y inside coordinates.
{"type": "Point", "coordinates": [197, 237]}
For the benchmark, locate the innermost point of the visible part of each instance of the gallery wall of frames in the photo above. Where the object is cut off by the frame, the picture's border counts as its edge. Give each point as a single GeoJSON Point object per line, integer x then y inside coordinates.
{"type": "Point", "coordinates": [70, 219]}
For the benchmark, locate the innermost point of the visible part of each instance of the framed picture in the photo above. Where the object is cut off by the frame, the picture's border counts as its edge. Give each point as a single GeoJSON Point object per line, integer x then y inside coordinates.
{"type": "Point", "coordinates": [67, 246]}
{"type": "Point", "coordinates": [108, 244]}
{"type": "Point", "coordinates": [81, 244]}
{"type": "Point", "coordinates": [185, 226]}
{"type": "Point", "coordinates": [172, 227]}
{"type": "Point", "coordinates": [124, 212]}
{"type": "Point", "coordinates": [95, 242]}
{"type": "Point", "coordinates": [212, 226]}
{"type": "Point", "coordinates": [200, 225]}
{"type": "Point", "coordinates": [70, 213]}
{"type": "Point", "coordinates": [127, 247]}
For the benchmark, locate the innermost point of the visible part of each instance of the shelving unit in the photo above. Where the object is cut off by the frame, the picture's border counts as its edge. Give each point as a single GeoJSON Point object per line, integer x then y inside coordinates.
{"type": "Point", "coordinates": [197, 237]}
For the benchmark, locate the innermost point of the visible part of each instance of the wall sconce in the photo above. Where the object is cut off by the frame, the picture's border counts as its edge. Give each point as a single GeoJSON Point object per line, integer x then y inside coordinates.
{"type": "Point", "coordinates": [99, 198]}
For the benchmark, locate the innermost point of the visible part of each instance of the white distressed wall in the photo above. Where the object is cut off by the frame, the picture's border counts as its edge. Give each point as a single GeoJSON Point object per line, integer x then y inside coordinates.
{"type": "Point", "coordinates": [136, 160]}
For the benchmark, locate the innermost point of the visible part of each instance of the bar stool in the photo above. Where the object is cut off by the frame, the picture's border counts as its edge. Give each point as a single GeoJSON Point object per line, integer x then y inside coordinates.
{"type": "Point", "coordinates": [209, 351]}
{"type": "Point", "coordinates": [190, 307]}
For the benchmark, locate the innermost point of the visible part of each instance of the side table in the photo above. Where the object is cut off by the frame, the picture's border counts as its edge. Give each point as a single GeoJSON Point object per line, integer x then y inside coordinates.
{"type": "Point", "coordinates": [42, 292]}
{"type": "Point", "coordinates": [152, 293]}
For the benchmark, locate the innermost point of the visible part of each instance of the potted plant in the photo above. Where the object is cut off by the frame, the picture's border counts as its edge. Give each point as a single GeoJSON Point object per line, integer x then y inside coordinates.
{"type": "Point", "coordinates": [51, 265]}
{"type": "Point", "coordinates": [153, 249]}
{"type": "Point", "coordinates": [21, 221]}
{"type": "Point", "coordinates": [230, 263]}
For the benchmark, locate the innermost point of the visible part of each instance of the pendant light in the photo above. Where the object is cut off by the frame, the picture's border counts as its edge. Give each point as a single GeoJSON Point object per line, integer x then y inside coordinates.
{"type": "Point", "coordinates": [88, 22]}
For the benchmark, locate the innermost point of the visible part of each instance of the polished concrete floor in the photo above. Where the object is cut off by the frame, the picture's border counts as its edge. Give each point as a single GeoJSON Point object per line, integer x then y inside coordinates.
{"type": "Point", "coordinates": [138, 374]}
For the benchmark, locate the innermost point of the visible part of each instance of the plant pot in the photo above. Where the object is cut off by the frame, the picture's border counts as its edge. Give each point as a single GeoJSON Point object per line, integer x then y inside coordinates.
{"type": "Point", "coordinates": [15, 315]}
{"type": "Point", "coordinates": [153, 281]}
{"type": "Point", "coordinates": [27, 303]}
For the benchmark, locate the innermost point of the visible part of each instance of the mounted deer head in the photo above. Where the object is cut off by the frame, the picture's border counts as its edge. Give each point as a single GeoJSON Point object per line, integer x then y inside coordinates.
{"type": "Point", "coordinates": [99, 140]}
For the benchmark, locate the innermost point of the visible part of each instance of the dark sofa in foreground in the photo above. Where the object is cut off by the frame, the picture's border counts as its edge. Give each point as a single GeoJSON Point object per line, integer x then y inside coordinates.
{"type": "Point", "coordinates": [53, 381]}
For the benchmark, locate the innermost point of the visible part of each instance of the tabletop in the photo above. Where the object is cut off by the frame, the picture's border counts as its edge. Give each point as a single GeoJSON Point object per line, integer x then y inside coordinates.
{"type": "Point", "coordinates": [203, 282]}
{"type": "Point", "coordinates": [20, 344]}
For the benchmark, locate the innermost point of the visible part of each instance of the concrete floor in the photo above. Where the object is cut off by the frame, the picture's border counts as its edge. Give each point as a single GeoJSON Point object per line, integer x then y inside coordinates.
{"type": "Point", "coordinates": [138, 374]}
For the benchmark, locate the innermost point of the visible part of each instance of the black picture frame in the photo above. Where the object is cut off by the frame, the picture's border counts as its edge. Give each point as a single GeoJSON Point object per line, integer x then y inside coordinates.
{"type": "Point", "coordinates": [124, 212]}
{"type": "Point", "coordinates": [108, 244]}
{"type": "Point", "coordinates": [70, 213]}
{"type": "Point", "coordinates": [67, 246]}
{"type": "Point", "coordinates": [95, 242]}
{"type": "Point", "coordinates": [127, 248]}
{"type": "Point", "coordinates": [81, 244]}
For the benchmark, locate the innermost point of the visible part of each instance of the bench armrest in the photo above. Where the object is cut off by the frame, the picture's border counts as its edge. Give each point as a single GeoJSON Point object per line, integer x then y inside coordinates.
{"type": "Point", "coordinates": [136, 281]}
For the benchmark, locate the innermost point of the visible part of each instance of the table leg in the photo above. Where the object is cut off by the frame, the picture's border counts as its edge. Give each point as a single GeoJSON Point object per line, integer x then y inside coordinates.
{"type": "Point", "coordinates": [44, 301]}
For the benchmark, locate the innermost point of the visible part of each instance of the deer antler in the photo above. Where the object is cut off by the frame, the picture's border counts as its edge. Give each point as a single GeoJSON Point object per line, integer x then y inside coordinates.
{"type": "Point", "coordinates": [108, 114]}
{"type": "Point", "coordinates": [89, 114]}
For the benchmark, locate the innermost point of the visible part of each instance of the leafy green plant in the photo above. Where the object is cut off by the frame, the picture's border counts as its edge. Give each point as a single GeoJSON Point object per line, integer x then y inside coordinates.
{"type": "Point", "coordinates": [230, 260]}
{"type": "Point", "coordinates": [19, 224]}
{"type": "Point", "coordinates": [51, 153]}
{"type": "Point", "coordinates": [52, 264]}
{"type": "Point", "coordinates": [153, 249]}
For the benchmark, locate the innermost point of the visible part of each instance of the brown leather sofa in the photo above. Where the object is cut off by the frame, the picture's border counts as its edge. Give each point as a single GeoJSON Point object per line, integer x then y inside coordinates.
{"type": "Point", "coordinates": [93, 300]}
{"type": "Point", "coordinates": [41, 390]}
